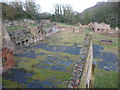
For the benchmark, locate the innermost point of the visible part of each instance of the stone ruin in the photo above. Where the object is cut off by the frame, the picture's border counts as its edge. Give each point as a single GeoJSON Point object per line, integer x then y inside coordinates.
{"type": "Point", "coordinates": [13, 40]}
{"type": "Point", "coordinates": [70, 29]}
{"type": "Point", "coordinates": [18, 22]}
{"type": "Point", "coordinates": [79, 67]}
{"type": "Point", "coordinates": [32, 34]}
{"type": "Point", "coordinates": [106, 42]}
{"type": "Point", "coordinates": [44, 21]}
{"type": "Point", "coordinates": [99, 27]}
{"type": "Point", "coordinates": [78, 24]}
{"type": "Point", "coordinates": [7, 51]}
{"type": "Point", "coordinates": [113, 33]}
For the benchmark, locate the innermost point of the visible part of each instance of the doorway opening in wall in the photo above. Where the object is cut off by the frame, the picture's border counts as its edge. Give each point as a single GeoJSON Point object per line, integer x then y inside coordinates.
{"type": "Point", "coordinates": [27, 40]}
{"type": "Point", "coordinates": [98, 29]}
{"type": "Point", "coordinates": [102, 29]}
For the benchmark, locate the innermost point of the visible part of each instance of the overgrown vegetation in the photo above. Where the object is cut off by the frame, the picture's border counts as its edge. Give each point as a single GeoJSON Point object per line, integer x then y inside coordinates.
{"type": "Point", "coordinates": [103, 79]}
{"type": "Point", "coordinates": [12, 28]}
{"type": "Point", "coordinates": [102, 12]}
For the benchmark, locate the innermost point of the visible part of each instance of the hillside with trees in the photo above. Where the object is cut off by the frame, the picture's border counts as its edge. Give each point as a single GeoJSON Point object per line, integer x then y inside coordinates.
{"type": "Point", "coordinates": [20, 10]}
{"type": "Point", "coordinates": [102, 12]}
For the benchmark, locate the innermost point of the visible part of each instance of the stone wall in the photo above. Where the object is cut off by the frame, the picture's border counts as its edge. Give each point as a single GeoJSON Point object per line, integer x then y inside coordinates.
{"type": "Point", "coordinates": [99, 27]}
{"type": "Point", "coordinates": [14, 40]}
{"type": "Point", "coordinates": [45, 22]}
{"type": "Point", "coordinates": [83, 69]}
{"type": "Point", "coordinates": [31, 34]}
{"type": "Point", "coordinates": [6, 51]}
{"type": "Point", "coordinates": [18, 22]}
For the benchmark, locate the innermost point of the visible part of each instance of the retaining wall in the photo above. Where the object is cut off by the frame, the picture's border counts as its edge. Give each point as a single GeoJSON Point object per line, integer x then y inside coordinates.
{"type": "Point", "coordinates": [83, 69]}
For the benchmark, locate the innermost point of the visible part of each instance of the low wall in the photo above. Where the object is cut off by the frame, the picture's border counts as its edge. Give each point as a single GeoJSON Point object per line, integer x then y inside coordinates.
{"type": "Point", "coordinates": [83, 69]}
{"type": "Point", "coordinates": [6, 51]}
{"type": "Point", "coordinates": [31, 35]}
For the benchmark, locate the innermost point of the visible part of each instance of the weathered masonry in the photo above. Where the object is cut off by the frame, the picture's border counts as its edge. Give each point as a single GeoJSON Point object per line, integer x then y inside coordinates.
{"type": "Point", "coordinates": [31, 35]}
{"type": "Point", "coordinates": [99, 27]}
{"type": "Point", "coordinates": [83, 74]}
{"type": "Point", "coordinates": [11, 41]}
{"type": "Point", "coordinates": [7, 51]}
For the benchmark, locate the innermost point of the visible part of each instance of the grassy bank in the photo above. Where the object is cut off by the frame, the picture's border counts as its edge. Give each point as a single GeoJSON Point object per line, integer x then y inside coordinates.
{"type": "Point", "coordinates": [106, 79]}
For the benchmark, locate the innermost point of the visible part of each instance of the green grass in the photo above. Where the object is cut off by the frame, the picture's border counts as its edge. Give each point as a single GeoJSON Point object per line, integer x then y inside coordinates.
{"type": "Point", "coordinates": [64, 24]}
{"type": "Point", "coordinates": [0, 80]}
{"type": "Point", "coordinates": [54, 53]}
{"type": "Point", "coordinates": [67, 37]}
{"type": "Point", "coordinates": [33, 24]}
{"type": "Point", "coordinates": [47, 26]}
{"type": "Point", "coordinates": [14, 28]}
{"type": "Point", "coordinates": [107, 48]}
{"type": "Point", "coordinates": [97, 59]}
{"type": "Point", "coordinates": [41, 73]}
{"type": "Point", "coordinates": [10, 83]}
{"type": "Point", "coordinates": [106, 79]}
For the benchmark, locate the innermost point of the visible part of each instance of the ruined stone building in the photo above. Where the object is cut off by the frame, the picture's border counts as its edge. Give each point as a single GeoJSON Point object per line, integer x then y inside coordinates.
{"type": "Point", "coordinates": [99, 27]}
{"type": "Point", "coordinates": [14, 40]}
{"type": "Point", "coordinates": [6, 50]}
{"type": "Point", "coordinates": [45, 22]}
{"type": "Point", "coordinates": [18, 22]}
{"type": "Point", "coordinates": [32, 34]}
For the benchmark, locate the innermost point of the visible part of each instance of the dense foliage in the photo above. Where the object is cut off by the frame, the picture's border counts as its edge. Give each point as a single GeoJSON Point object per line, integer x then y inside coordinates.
{"type": "Point", "coordinates": [20, 10]}
{"type": "Point", "coordinates": [102, 12]}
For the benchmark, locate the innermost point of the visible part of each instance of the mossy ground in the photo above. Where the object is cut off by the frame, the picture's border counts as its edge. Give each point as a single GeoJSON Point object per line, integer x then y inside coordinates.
{"type": "Point", "coordinates": [10, 83]}
{"type": "Point", "coordinates": [97, 59]}
{"type": "Point", "coordinates": [14, 28]}
{"type": "Point", "coordinates": [113, 48]}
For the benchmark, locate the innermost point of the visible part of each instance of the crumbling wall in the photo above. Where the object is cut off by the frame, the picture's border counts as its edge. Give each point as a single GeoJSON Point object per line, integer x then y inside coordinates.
{"type": "Point", "coordinates": [45, 22]}
{"type": "Point", "coordinates": [14, 40]}
{"type": "Point", "coordinates": [18, 22]}
{"type": "Point", "coordinates": [83, 69]}
{"type": "Point", "coordinates": [99, 27]}
{"type": "Point", "coordinates": [7, 50]}
{"type": "Point", "coordinates": [106, 42]}
{"type": "Point", "coordinates": [31, 34]}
